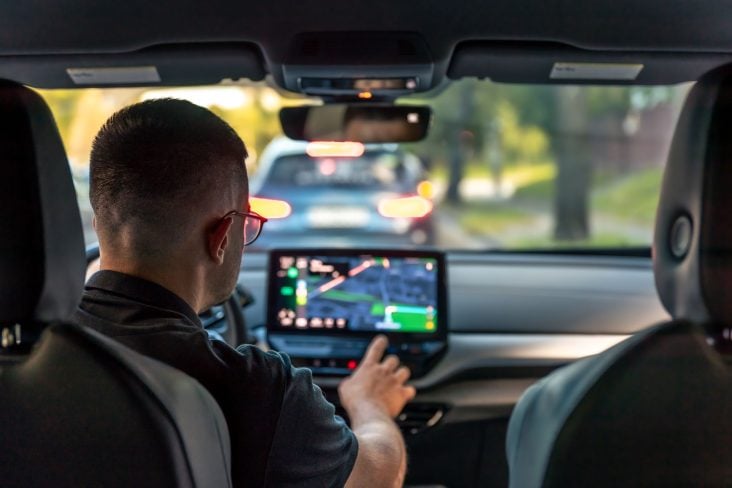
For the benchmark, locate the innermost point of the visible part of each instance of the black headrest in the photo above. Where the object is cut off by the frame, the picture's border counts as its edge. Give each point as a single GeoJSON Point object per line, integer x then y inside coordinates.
{"type": "Point", "coordinates": [693, 237]}
{"type": "Point", "coordinates": [41, 241]}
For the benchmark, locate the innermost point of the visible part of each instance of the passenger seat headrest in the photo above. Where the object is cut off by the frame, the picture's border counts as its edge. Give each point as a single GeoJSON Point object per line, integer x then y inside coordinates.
{"type": "Point", "coordinates": [692, 247]}
{"type": "Point", "coordinates": [41, 241]}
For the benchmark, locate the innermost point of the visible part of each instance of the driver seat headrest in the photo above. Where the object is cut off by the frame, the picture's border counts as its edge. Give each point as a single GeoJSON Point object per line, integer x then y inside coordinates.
{"type": "Point", "coordinates": [42, 258]}
{"type": "Point", "coordinates": [693, 236]}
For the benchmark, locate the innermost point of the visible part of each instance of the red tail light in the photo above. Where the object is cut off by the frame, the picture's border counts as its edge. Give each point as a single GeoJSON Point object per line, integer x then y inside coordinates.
{"type": "Point", "coordinates": [406, 207]}
{"type": "Point", "coordinates": [272, 209]}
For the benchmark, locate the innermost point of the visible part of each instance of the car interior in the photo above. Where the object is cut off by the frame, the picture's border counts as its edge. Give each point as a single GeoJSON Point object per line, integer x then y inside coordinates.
{"type": "Point", "coordinates": [80, 399]}
{"type": "Point", "coordinates": [479, 316]}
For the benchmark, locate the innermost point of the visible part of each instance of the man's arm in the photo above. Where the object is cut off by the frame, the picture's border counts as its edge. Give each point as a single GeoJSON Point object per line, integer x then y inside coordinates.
{"type": "Point", "coordinates": [373, 396]}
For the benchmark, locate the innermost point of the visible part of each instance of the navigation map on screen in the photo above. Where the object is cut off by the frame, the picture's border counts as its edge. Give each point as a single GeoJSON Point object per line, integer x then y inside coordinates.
{"type": "Point", "coordinates": [357, 293]}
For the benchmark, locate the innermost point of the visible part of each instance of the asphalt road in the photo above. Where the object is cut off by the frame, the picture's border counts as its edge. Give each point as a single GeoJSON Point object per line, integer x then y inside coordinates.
{"type": "Point", "coordinates": [449, 234]}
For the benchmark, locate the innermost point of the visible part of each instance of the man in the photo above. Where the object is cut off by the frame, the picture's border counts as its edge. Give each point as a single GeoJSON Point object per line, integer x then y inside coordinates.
{"type": "Point", "coordinates": [170, 197]}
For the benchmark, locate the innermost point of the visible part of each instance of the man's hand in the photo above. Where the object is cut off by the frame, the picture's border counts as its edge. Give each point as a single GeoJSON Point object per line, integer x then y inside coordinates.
{"type": "Point", "coordinates": [373, 395]}
{"type": "Point", "coordinates": [377, 384]}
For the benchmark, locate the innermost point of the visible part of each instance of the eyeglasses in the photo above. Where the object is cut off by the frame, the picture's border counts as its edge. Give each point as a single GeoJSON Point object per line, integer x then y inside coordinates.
{"type": "Point", "coordinates": [253, 223]}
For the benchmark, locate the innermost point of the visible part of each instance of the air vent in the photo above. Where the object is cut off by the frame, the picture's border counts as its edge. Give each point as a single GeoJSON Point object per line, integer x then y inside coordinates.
{"type": "Point", "coordinates": [418, 417]}
{"type": "Point", "coordinates": [415, 418]}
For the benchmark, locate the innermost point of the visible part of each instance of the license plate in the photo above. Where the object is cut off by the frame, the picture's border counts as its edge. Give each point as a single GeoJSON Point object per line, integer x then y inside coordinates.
{"type": "Point", "coordinates": [338, 217]}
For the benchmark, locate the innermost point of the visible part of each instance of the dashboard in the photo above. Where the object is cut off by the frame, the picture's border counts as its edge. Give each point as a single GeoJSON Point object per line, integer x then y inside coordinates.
{"type": "Point", "coordinates": [510, 320]}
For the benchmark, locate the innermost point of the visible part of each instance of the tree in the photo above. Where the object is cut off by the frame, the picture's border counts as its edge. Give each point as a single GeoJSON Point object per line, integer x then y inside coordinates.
{"type": "Point", "coordinates": [571, 197]}
{"type": "Point", "coordinates": [461, 139]}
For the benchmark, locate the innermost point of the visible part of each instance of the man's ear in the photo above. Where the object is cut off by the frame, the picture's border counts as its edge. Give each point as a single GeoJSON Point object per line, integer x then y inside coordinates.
{"type": "Point", "coordinates": [94, 222]}
{"type": "Point", "coordinates": [218, 240]}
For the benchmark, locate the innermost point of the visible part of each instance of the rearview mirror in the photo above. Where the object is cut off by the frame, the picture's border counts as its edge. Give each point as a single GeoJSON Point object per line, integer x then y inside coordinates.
{"type": "Point", "coordinates": [356, 122]}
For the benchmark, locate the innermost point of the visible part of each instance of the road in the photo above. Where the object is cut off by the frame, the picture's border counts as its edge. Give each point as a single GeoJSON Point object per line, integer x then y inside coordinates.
{"type": "Point", "coordinates": [449, 234]}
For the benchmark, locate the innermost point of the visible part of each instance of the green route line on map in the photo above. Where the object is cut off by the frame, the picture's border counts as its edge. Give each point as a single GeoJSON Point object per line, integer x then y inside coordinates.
{"type": "Point", "coordinates": [377, 307]}
{"type": "Point", "coordinates": [409, 317]}
{"type": "Point", "coordinates": [412, 321]}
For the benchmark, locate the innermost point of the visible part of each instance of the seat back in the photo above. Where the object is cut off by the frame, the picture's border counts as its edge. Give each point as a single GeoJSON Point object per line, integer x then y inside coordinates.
{"type": "Point", "coordinates": [656, 410]}
{"type": "Point", "coordinates": [76, 408]}
{"type": "Point", "coordinates": [83, 410]}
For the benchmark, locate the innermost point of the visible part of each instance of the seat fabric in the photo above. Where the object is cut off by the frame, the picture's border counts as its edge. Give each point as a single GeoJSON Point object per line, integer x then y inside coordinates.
{"type": "Point", "coordinates": [655, 410]}
{"type": "Point", "coordinates": [77, 408]}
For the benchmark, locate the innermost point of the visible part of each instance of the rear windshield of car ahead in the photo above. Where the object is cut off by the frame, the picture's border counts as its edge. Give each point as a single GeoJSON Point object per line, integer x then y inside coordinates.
{"type": "Point", "coordinates": [372, 171]}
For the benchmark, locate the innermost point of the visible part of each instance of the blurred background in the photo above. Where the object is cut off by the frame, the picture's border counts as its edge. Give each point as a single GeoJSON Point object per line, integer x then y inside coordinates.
{"type": "Point", "coordinates": [503, 166]}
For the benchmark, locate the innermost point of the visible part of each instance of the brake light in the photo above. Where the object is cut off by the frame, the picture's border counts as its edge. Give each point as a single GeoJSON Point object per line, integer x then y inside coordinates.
{"type": "Point", "coordinates": [272, 209]}
{"type": "Point", "coordinates": [331, 149]}
{"type": "Point", "coordinates": [406, 207]}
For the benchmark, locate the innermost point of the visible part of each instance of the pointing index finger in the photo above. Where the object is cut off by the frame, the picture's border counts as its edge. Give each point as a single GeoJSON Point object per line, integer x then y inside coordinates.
{"type": "Point", "coordinates": [376, 350]}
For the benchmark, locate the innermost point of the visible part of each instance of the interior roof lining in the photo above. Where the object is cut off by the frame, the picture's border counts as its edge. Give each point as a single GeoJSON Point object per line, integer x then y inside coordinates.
{"type": "Point", "coordinates": [506, 62]}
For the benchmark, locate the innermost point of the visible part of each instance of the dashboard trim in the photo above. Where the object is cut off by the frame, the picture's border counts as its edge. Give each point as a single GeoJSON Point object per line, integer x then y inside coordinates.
{"type": "Point", "coordinates": [467, 352]}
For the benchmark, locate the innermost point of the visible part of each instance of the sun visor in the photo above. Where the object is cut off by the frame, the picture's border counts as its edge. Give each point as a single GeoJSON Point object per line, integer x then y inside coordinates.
{"type": "Point", "coordinates": [553, 63]}
{"type": "Point", "coordinates": [164, 65]}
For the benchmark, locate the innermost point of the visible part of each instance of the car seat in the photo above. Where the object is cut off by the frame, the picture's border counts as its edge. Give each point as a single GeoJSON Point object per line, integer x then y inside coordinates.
{"type": "Point", "coordinates": [76, 408]}
{"type": "Point", "coordinates": [656, 409]}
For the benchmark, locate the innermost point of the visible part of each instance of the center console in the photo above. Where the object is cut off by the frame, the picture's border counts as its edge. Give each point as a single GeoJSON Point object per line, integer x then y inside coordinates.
{"type": "Point", "coordinates": [325, 306]}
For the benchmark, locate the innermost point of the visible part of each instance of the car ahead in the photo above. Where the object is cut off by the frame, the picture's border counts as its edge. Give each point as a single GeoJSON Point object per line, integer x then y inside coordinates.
{"type": "Point", "coordinates": [342, 193]}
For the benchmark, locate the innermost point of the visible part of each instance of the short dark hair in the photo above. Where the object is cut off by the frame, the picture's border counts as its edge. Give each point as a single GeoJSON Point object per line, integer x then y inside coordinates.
{"type": "Point", "coordinates": [154, 161]}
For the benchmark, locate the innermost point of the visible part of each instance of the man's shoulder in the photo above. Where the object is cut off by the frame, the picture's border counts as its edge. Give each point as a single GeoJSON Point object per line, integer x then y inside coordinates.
{"type": "Point", "coordinates": [130, 300]}
{"type": "Point", "coordinates": [250, 360]}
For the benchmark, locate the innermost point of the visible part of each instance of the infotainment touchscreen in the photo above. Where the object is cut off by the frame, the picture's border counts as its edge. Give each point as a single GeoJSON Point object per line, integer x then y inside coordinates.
{"type": "Point", "coordinates": [342, 291]}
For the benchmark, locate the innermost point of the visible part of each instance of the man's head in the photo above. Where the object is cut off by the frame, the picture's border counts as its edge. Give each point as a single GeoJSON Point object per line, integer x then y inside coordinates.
{"type": "Point", "coordinates": [163, 174]}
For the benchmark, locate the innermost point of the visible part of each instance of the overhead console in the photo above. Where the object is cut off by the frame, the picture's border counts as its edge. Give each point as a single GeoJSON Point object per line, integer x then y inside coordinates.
{"type": "Point", "coordinates": [325, 306]}
{"type": "Point", "coordinates": [377, 65]}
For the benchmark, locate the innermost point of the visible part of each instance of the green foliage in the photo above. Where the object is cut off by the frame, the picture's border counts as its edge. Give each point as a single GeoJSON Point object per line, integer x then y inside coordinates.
{"type": "Point", "coordinates": [62, 104]}
{"type": "Point", "coordinates": [500, 130]}
{"type": "Point", "coordinates": [608, 100]}
{"type": "Point", "coordinates": [80, 113]}
{"type": "Point", "coordinates": [494, 121]}
{"type": "Point", "coordinates": [633, 197]}
{"type": "Point", "coordinates": [490, 219]}
{"type": "Point", "coordinates": [255, 125]}
{"type": "Point", "coordinates": [525, 143]}
{"type": "Point", "coordinates": [540, 191]}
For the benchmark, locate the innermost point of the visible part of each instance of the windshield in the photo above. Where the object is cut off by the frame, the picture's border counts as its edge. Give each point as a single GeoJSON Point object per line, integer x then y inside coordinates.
{"type": "Point", "coordinates": [516, 167]}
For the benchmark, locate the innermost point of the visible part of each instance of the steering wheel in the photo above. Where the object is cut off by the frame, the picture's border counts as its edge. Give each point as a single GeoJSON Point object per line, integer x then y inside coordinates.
{"type": "Point", "coordinates": [236, 331]}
